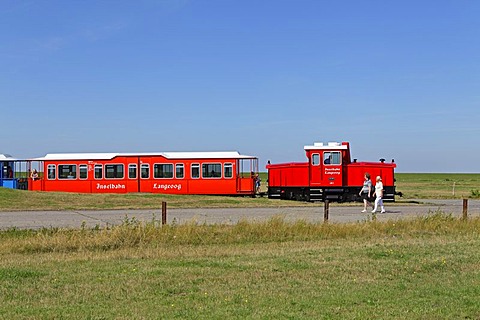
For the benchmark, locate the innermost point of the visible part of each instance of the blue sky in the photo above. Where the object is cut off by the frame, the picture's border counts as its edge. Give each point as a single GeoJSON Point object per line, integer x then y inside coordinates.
{"type": "Point", "coordinates": [397, 79]}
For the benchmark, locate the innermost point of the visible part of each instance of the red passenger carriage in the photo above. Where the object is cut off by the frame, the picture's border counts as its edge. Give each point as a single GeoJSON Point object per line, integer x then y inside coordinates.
{"type": "Point", "coordinates": [216, 173]}
{"type": "Point", "coordinates": [329, 174]}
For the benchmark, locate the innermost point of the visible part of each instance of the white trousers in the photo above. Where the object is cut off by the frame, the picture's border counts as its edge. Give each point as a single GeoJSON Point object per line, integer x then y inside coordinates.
{"type": "Point", "coordinates": [378, 202]}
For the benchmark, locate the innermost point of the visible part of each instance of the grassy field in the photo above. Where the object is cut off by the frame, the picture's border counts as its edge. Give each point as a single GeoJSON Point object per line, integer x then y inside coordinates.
{"type": "Point", "coordinates": [421, 269]}
{"type": "Point", "coordinates": [426, 268]}
{"type": "Point", "coordinates": [438, 185]}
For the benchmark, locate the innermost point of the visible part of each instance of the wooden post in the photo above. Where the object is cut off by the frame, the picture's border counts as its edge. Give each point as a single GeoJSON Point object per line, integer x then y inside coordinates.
{"type": "Point", "coordinates": [326, 209]}
{"type": "Point", "coordinates": [164, 213]}
{"type": "Point", "coordinates": [465, 208]}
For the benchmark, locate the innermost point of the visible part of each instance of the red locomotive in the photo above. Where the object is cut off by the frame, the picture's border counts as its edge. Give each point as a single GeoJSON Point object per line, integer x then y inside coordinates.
{"type": "Point", "coordinates": [222, 173]}
{"type": "Point", "coordinates": [329, 174]}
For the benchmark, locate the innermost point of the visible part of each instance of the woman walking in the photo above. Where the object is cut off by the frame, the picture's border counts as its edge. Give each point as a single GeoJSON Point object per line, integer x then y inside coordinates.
{"type": "Point", "coordinates": [378, 195]}
{"type": "Point", "coordinates": [366, 192]}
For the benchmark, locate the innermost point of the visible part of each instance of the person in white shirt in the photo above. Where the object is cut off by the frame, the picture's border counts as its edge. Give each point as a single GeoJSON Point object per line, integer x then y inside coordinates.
{"type": "Point", "coordinates": [378, 195]}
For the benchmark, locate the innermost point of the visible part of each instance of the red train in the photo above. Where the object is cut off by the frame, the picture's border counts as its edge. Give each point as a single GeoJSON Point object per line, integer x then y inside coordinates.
{"type": "Point", "coordinates": [222, 173]}
{"type": "Point", "coordinates": [329, 174]}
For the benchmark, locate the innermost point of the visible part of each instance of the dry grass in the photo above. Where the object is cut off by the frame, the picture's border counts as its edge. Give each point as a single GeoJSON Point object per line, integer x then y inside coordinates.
{"type": "Point", "coordinates": [134, 234]}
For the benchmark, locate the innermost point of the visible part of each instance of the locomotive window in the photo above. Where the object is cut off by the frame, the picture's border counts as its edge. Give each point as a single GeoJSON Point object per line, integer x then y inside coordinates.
{"type": "Point", "coordinates": [145, 171]}
{"type": "Point", "coordinates": [132, 171]}
{"type": "Point", "coordinates": [98, 171]}
{"type": "Point", "coordinates": [163, 171]}
{"type": "Point", "coordinates": [114, 171]}
{"type": "Point", "coordinates": [51, 172]}
{"type": "Point", "coordinates": [211, 170]}
{"type": "Point", "coordinates": [315, 159]}
{"type": "Point", "coordinates": [228, 170]}
{"type": "Point", "coordinates": [179, 171]}
{"type": "Point", "coordinates": [67, 171]}
{"type": "Point", "coordinates": [332, 158]}
{"type": "Point", "coordinates": [83, 171]}
{"type": "Point", "coordinates": [195, 171]}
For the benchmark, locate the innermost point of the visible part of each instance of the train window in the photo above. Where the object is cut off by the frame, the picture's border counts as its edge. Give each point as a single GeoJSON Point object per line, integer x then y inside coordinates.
{"type": "Point", "coordinates": [332, 158]}
{"type": "Point", "coordinates": [228, 170]}
{"type": "Point", "coordinates": [83, 171]}
{"type": "Point", "coordinates": [145, 171]}
{"type": "Point", "coordinates": [98, 171]}
{"type": "Point", "coordinates": [179, 171]}
{"type": "Point", "coordinates": [211, 170]}
{"type": "Point", "coordinates": [67, 171]}
{"type": "Point", "coordinates": [51, 172]}
{"type": "Point", "coordinates": [315, 159]}
{"type": "Point", "coordinates": [195, 171]}
{"type": "Point", "coordinates": [162, 171]}
{"type": "Point", "coordinates": [114, 171]}
{"type": "Point", "coordinates": [132, 171]}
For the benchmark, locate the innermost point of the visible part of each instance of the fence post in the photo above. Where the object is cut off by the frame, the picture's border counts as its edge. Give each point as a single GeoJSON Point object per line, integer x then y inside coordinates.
{"type": "Point", "coordinates": [164, 213]}
{"type": "Point", "coordinates": [465, 209]}
{"type": "Point", "coordinates": [326, 209]}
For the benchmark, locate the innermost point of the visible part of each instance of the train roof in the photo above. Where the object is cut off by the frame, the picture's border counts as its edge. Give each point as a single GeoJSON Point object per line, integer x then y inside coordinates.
{"type": "Point", "coordinates": [167, 155]}
{"type": "Point", "coordinates": [329, 146]}
{"type": "Point", "coordinates": [7, 157]}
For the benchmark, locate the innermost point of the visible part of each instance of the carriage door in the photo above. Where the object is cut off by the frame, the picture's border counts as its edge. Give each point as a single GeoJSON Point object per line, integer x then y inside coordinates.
{"type": "Point", "coordinates": [315, 170]}
{"type": "Point", "coordinates": [332, 168]}
{"type": "Point", "coordinates": [245, 174]}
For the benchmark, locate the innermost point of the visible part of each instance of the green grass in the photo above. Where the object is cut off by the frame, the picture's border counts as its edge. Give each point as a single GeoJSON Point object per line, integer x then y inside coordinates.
{"type": "Point", "coordinates": [424, 268]}
{"type": "Point", "coordinates": [421, 269]}
{"type": "Point", "coordinates": [438, 185]}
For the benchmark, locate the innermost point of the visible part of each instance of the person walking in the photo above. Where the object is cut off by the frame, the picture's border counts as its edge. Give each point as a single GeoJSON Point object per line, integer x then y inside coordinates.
{"type": "Point", "coordinates": [366, 192]}
{"type": "Point", "coordinates": [378, 195]}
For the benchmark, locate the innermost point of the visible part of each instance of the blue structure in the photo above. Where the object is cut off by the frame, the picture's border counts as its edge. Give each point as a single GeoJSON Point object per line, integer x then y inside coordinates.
{"type": "Point", "coordinates": [14, 173]}
{"type": "Point", "coordinates": [7, 172]}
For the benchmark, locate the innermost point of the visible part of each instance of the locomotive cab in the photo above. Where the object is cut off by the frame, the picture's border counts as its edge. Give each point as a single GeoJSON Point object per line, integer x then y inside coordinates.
{"type": "Point", "coordinates": [326, 164]}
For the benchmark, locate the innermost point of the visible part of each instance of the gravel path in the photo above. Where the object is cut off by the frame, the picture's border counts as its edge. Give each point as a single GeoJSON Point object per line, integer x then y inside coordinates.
{"type": "Point", "coordinates": [338, 214]}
